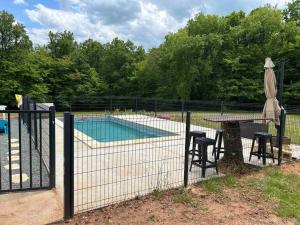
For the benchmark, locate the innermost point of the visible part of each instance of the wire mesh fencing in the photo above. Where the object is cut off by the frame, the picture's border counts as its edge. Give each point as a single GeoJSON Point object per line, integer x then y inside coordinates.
{"type": "Point", "coordinates": [236, 136]}
{"type": "Point", "coordinates": [291, 134]}
{"type": "Point", "coordinates": [124, 153]}
{"type": "Point", "coordinates": [120, 157]}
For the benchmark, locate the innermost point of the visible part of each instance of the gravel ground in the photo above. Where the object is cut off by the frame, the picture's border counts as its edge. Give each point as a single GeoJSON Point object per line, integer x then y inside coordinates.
{"type": "Point", "coordinates": [25, 152]}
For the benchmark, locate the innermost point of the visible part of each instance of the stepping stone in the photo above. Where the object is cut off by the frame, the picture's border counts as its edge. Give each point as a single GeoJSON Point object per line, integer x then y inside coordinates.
{"type": "Point", "coordinates": [14, 140]}
{"type": "Point", "coordinates": [13, 158]}
{"type": "Point", "coordinates": [14, 166]}
{"type": "Point", "coordinates": [15, 145]}
{"type": "Point", "coordinates": [16, 178]}
{"type": "Point", "coordinates": [13, 152]}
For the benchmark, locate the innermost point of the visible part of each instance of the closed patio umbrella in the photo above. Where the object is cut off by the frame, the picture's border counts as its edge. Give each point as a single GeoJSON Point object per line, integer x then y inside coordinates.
{"type": "Point", "coordinates": [271, 109]}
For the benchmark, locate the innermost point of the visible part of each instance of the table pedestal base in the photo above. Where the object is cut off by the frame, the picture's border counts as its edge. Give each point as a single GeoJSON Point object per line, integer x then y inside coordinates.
{"type": "Point", "coordinates": [233, 153]}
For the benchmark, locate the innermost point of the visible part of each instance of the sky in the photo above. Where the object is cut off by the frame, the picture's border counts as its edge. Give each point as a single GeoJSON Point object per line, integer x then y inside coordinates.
{"type": "Point", "coordinates": [145, 22]}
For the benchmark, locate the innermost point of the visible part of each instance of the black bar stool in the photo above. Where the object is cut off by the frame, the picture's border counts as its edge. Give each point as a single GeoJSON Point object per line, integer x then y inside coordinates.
{"type": "Point", "coordinates": [262, 146]}
{"type": "Point", "coordinates": [218, 146]}
{"type": "Point", "coordinates": [201, 153]}
{"type": "Point", "coordinates": [193, 136]}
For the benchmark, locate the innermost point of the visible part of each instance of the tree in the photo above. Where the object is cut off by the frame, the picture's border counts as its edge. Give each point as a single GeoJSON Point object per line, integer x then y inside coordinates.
{"type": "Point", "coordinates": [61, 44]}
{"type": "Point", "coordinates": [19, 72]}
{"type": "Point", "coordinates": [119, 65]}
{"type": "Point", "coordinates": [14, 42]}
{"type": "Point", "coordinates": [211, 58]}
{"type": "Point", "coordinates": [21, 77]}
{"type": "Point", "coordinates": [92, 51]}
{"type": "Point", "coordinates": [292, 13]}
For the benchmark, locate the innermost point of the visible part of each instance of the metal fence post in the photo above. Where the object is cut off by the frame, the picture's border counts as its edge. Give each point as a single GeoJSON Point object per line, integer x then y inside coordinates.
{"type": "Point", "coordinates": [187, 148]}
{"type": "Point", "coordinates": [182, 111]}
{"type": "Point", "coordinates": [68, 165]}
{"type": "Point", "coordinates": [110, 104]}
{"type": "Point", "coordinates": [155, 107]}
{"type": "Point", "coordinates": [35, 126]}
{"type": "Point", "coordinates": [24, 107]}
{"type": "Point", "coordinates": [280, 136]}
{"type": "Point", "coordinates": [52, 145]}
{"type": "Point", "coordinates": [136, 104]}
{"type": "Point", "coordinates": [222, 107]}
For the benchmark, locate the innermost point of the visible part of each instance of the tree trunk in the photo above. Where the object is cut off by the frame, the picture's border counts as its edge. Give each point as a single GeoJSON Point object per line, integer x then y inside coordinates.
{"type": "Point", "coordinates": [233, 148]}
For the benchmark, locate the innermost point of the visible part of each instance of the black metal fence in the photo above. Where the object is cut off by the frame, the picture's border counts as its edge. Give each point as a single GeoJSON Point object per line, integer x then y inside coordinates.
{"type": "Point", "coordinates": [134, 104]}
{"type": "Point", "coordinates": [119, 157]}
{"type": "Point", "coordinates": [41, 128]}
{"type": "Point", "coordinates": [122, 149]}
{"type": "Point", "coordinates": [27, 153]}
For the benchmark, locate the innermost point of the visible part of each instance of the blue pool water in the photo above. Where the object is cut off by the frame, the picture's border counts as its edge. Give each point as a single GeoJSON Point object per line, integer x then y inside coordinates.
{"type": "Point", "coordinates": [108, 129]}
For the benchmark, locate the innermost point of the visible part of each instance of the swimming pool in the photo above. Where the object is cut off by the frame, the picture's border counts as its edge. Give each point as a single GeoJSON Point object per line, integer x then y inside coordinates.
{"type": "Point", "coordinates": [109, 129]}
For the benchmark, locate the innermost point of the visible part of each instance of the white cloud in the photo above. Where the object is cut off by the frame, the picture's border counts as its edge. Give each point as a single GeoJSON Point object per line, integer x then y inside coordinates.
{"type": "Point", "coordinates": [19, 2]}
{"type": "Point", "coordinates": [148, 27]}
{"type": "Point", "coordinates": [279, 3]}
{"type": "Point", "coordinates": [146, 22]}
{"type": "Point", "coordinates": [38, 36]}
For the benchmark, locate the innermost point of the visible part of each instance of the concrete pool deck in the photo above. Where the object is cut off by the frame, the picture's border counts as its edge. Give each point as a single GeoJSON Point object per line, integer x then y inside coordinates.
{"type": "Point", "coordinates": [107, 173]}
{"type": "Point", "coordinates": [25, 208]}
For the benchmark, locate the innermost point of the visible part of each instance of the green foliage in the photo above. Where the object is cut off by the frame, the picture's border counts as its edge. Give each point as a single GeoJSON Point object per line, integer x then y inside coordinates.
{"type": "Point", "coordinates": [217, 57]}
{"type": "Point", "coordinates": [211, 58]}
{"type": "Point", "coordinates": [119, 66]}
{"type": "Point", "coordinates": [292, 13]}
{"type": "Point", "coordinates": [61, 44]}
{"type": "Point", "coordinates": [14, 42]}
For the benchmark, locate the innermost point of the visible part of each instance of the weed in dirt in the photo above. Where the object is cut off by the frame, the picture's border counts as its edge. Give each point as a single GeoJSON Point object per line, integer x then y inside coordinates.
{"type": "Point", "coordinates": [198, 206]}
{"type": "Point", "coordinates": [217, 184]}
{"type": "Point", "coordinates": [153, 218]}
{"type": "Point", "coordinates": [231, 181]}
{"type": "Point", "coordinates": [183, 196]}
{"type": "Point", "coordinates": [157, 193]}
{"type": "Point", "coordinates": [282, 188]}
{"type": "Point", "coordinates": [137, 197]}
{"type": "Point", "coordinates": [211, 185]}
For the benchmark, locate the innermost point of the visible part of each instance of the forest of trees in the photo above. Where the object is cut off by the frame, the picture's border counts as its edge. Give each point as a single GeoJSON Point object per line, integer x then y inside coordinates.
{"type": "Point", "coordinates": [211, 58]}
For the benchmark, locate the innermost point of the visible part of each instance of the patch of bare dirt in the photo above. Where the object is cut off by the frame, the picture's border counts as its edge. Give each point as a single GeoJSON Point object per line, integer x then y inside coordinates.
{"type": "Point", "coordinates": [232, 169]}
{"type": "Point", "coordinates": [240, 205]}
{"type": "Point", "coordinates": [292, 167]}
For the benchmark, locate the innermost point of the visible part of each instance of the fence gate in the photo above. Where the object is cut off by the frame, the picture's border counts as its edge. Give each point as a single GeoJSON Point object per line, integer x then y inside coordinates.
{"type": "Point", "coordinates": [27, 148]}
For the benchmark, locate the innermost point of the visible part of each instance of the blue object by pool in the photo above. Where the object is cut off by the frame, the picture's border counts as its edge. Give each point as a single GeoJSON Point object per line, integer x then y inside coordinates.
{"type": "Point", "coordinates": [3, 126]}
{"type": "Point", "coordinates": [108, 129]}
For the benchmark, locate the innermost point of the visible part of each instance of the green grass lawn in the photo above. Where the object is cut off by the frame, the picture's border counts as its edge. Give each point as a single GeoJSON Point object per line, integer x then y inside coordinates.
{"type": "Point", "coordinates": [281, 188]}
{"type": "Point", "coordinates": [292, 129]}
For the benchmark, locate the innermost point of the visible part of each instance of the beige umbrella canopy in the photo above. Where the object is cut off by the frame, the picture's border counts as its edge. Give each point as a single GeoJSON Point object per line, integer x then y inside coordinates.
{"type": "Point", "coordinates": [271, 109]}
